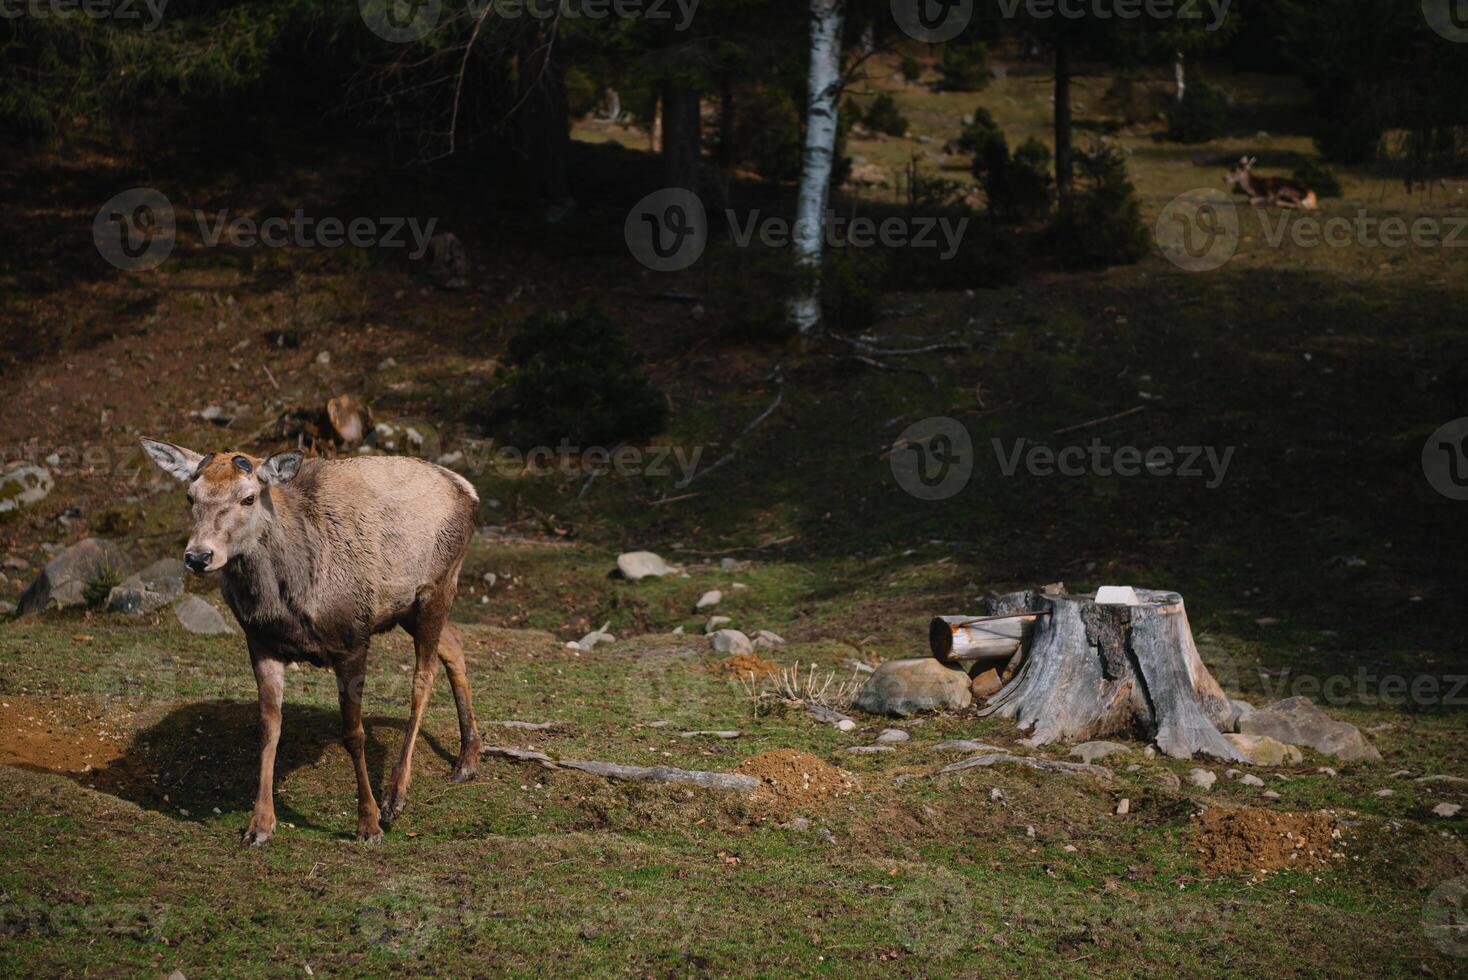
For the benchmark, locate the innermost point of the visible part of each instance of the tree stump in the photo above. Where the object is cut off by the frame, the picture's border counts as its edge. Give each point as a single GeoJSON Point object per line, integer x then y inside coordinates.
{"type": "Point", "coordinates": [1092, 671]}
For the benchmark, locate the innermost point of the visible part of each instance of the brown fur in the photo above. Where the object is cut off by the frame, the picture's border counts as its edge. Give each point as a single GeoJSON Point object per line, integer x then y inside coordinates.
{"type": "Point", "coordinates": [328, 553]}
{"type": "Point", "coordinates": [1283, 192]}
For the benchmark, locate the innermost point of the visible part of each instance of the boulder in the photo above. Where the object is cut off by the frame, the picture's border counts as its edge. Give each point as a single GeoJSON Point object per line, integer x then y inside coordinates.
{"type": "Point", "coordinates": [63, 582]}
{"type": "Point", "coordinates": [1090, 752]}
{"type": "Point", "coordinates": [1298, 721]}
{"type": "Point", "coordinates": [636, 565]}
{"type": "Point", "coordinates": [730, 641]}
{"type": "Point", "coordinates": [198, 616]}
{"type": "Point", "coordinates": [149, 590]}
{"type": "Point", "coordinates": [23, 486]}
{"type": "Point", "coordinates": [905, 687]}
{"type": "Point", "coordinates": [1238, 711]}
{"type": "Point", "coordinates": [1261, 750]}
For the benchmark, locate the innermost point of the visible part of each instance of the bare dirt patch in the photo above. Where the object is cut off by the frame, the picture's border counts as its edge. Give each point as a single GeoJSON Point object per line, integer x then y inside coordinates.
{"type": "Point", "coordinates": [1261, 842]}
{"type": "Point", "coordinates": [35, 734]}
{"type": "Point", "coordinates": [741, 665]}
{"type": "Point", "coordinates": [795, 781]}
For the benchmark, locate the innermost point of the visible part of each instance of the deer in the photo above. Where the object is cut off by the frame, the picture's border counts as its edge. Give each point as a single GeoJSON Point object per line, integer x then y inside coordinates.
{"type": "Point", "coordinates": [1283, 192]}
{"type": "Point", "coordinates": [314, 558]}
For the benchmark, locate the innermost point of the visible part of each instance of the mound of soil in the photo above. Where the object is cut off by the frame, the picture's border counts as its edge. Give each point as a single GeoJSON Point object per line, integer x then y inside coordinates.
{"type": "Point", "coordinates": [741, 665]}
{"type": "Point", "coordinates": [794, 781]}
{"type": "Point", "coordinates": [1260, 842]}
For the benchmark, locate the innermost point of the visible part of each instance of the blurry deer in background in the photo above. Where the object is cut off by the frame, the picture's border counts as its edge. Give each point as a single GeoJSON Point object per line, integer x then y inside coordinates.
{"type": "Point", "coordinates": [1282, 192]}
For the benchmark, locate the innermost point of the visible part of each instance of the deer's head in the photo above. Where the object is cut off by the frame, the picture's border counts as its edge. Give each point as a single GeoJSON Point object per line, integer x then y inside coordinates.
{"type": "Point", "coordinates": [229, 501]}
{"type": "Point", "coordinates": [1238, 174]}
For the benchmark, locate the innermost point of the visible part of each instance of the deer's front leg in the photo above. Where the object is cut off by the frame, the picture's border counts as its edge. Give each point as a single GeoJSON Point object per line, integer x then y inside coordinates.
{"type": "Point", "coordinates": [270, 679]}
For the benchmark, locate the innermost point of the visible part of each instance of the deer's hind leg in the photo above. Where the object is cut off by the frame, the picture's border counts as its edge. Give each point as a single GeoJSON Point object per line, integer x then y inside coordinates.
{"type": "Point", "coordinates": [426, 625]}
{"type": "Point", "coordinates": [451, 653]}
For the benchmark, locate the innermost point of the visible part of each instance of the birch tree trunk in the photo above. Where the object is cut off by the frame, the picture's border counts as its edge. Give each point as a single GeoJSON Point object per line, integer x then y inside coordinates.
{"type": "Point", "coordinates": [824, 92]}
{"type": "Point", "coordinates": [1179, 74]}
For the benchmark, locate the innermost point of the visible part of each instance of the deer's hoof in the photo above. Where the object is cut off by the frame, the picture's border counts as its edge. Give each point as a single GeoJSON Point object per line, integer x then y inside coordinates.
{"type": "Point", "coordinates": [370, 836]}
{"type": "Point", "coordinates": [392, 808]}
{"type": "Point", "coordinates": [463, 773]}
{"type": "Point", "coordinates": [255, 838]}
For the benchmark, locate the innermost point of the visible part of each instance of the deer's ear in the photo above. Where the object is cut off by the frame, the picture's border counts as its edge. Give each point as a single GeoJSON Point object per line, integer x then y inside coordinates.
{"type": "Point", "coordinates": [281, 468]}
{"type": "Point", "coordinates": [176, 461]}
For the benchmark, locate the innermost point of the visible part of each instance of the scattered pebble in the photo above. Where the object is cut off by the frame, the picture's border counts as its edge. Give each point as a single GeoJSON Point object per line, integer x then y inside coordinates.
{"type": "Point", "coordinates": [891, 735]}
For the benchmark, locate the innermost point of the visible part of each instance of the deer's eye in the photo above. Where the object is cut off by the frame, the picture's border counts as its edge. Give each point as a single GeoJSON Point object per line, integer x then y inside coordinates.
{"type": "Point", "coordinates": [190, 499]}
{"type": "Point", "coordinates": [248, 501]}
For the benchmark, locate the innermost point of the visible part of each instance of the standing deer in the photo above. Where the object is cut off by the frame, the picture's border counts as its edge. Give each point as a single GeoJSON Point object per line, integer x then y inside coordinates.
{"type": "Point", "coordinates": [315, 556]}
{"type": "Point", "coordinates": [1283, 192]}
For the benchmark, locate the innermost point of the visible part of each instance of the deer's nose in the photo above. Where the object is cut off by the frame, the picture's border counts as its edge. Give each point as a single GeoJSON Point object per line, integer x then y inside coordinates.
{"type": "Point", "coordinates": [197, 561]}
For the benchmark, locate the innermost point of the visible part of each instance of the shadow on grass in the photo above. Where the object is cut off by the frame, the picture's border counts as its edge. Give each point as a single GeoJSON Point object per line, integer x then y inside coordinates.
{"type": "Point", "coordinates": [205, 755]}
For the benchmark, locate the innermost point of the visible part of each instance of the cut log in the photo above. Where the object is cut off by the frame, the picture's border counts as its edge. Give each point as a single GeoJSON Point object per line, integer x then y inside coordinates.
{"type": "Point", "coordinates": [965, 639]}
{"type": "Point", "coordinates": [1092, 671]}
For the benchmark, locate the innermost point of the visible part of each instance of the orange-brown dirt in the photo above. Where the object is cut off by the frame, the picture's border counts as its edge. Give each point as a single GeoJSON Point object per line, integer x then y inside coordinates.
{"type": "Point", "coordinates": [741, 665]}
{"type": "Point", "coordinates": [795, 781]}
{"type": "Point", "coordinates": [1260, 842]}
{"type": "Point", "coordinates": [46, 736]}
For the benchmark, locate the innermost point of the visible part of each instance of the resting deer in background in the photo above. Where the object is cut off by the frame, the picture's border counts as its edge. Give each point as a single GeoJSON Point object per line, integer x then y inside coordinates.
{"type": "Point", "coordinates": [315, 557]}
{"type": "Point", "coordinates": [1283, 192]}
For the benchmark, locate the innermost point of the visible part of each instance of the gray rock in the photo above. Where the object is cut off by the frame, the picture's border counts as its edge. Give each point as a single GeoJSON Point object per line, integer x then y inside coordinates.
{"type": "Point", "coordinates": [1447, 809]}
{"type": "Point", "coordinates": [63, 582]}
{"type": "Point", "coordinates": [1249, 779]}
{"type": "Point", "coordinates": [149, 590]}
{"type": "Point", "coordinates": [714, 623]}
{"type": "Point", "coordinates": [709, 599]}
{"type": "Point", "coordinates": [1095, 751]}
{"type": "Point", "coordinates": [23, 486]}
{"type": "Point", "coordinates": [765, 640]}
{"type": "Point", "coordinates": [870, 749]}
{"type": "Point", "coordinates": [636, 565]}
{"type": "Point", "coordinates": [588, 642]}
{"type": "Point", "coordinates": [1261, 750]}
{"type": "Point", "coordinates": [1297, 721]}
{"type": "Point", "coordinates": [965, 745]}
{"type": "Point", "coordinates": [198, 616]}
{"type": "Point", "coordinates": [1270, 794]}
{"type": "Point", "coordinates": [1202, 778]}
{"type": "Point", "coordinates": [730, 641]}
{"type": "Point", "coordinates": [1169, 779]}
{"type": "Point", "coordinates": [6, 608]}
{"type": "Point", "coordinates": [905, 687]}
{"type": "Point", "coordinates": [888, 735]}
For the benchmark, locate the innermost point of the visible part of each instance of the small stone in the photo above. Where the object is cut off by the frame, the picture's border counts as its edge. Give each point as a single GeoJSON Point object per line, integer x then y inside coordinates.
{"type": "Point", "coordinates": [21, 487]}
{"type": "Point", "coordinates": [846, 725]}
{"type": "Point", "coordinates": [1270, 794]}
{"type": "Point", "coordinates": [1385, 792]}
{"type": "Point", "coordinates": [887, 735]}
{"type": "Point", "coordinates": [324, 357]}
{"type": "Point", "coordinates": [714, 623]}
{"type": "Point", "coordinates": [1249, 779]}
{"type": "Point", "coordinates": [1169, 779]}
{"type": "Point", "coordinates": [799, 823]}
{"type": "Point", "coordinates": [1092, 752]}
{"type": "Point", "coordinates": [986, 684]}
{"type": "Point", "coordinates": [1327, 771]}
{"type": "Point", "coordinates": [766, 640]}
{"type": "Point", "coordinates": [677, 631]}
{"type": "Point", "coordinates": [870, 749]}
{"type": "Point", "coordinates": [730, 642]}
{"type": "Point", "coordinates": [1202, 778]}
{"type": "Point", "coordinates": [709, 599]}
{"type": "Point", "coordinates": [198, 616]}
{"type": "Point", "coordinates": [635, 565]}
{"type": "Point", "coordinates": [1261, 750]}
{"type": "Point", "coordinates": [1123, 807]}
{"type": "Point", "coordinates": [996, 794]}
{"type": "Point", "coordinates": [1447, 809]}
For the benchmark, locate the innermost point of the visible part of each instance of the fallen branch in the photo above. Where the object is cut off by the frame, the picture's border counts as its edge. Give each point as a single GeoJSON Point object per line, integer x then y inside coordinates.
{"type": "Point", "coordinates": [883, 366]}
{"type": "Point", "coordinates": [639, 774]}
{"type": "Point", "coordinates": [1003, 758]}
{"type": "Point", "coordinates": [1091, 422]}
{"type": "Point", "coordinates": [899, 351]}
